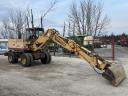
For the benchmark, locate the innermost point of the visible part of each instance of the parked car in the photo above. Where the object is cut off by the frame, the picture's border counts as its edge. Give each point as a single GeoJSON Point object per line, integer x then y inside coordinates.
{"type": "Point", "coordinates": [3, 49]}
{"type": "Point", "coordinates": [124, 42]}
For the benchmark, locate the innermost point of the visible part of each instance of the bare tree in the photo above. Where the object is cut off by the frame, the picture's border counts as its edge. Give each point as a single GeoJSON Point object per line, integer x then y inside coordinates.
{"type": "Point", "coordinates": [69, 29]}
{"type": "Point", "coordinates": [4, 29]}
{"type": "Point", "coordinates": [29, 18]}
{"type": "Point", "coordinates": [73, 29]}
{"type": "Point", "coordinates": [30, 15]}
{"type": "Point", "coordinates": [88, 18]}
{"type": "Point", "coordinates": [46, 12]}
{"type": "Point", "coordinates": [18, 20]}
{"type": "Point", "coordinates": [15, 22]}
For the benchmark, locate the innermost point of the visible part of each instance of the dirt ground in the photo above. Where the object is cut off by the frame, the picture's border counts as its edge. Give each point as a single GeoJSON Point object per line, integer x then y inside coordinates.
{"type": "Point", "coordinates": [65, 76]}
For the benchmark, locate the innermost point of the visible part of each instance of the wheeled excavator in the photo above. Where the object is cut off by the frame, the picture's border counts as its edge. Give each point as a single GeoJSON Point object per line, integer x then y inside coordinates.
{"type": "Point", "coordinates": [32, 47]}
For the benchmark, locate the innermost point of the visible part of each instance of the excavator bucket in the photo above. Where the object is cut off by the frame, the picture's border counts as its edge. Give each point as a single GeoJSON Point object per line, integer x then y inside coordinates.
{"type": "Point", "coordinates": [115, 74]}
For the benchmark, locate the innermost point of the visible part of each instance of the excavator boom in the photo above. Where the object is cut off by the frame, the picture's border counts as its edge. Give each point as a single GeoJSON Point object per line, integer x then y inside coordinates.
{"type": "Point", "coordinates": [112, 72]}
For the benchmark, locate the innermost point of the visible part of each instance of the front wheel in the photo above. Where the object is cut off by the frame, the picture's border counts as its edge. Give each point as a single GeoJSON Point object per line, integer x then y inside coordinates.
{"type": "Point", "coordinates": [25, 60]}
{"type": "Point", "coordinates": [46, 59]}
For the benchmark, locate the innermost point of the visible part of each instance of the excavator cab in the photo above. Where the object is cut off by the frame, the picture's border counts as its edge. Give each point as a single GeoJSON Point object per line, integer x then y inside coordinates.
{"type": "Point", "coordinates": [33, 33]}
{"type": "Point", "coordinates": [27, 37]}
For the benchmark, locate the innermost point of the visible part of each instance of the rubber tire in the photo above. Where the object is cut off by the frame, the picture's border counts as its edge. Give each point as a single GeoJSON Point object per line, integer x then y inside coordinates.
{"type": "Point", "coordinates": [12, 58]}
{"type": "Point", "coordinates": [46, 59]}
{"type": "Point", "coordinates": [16, 59]}
{"type": "Point", "coordinates": [31, 58]}
{"type": "Point", "coordinates": [28, 60]}
{"type": "Point", "coordinates": [50, 58]}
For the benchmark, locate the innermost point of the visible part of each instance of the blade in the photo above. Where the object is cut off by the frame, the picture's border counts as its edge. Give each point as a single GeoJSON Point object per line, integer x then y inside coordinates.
{"type": "Point", "coordinates": [115, 74]}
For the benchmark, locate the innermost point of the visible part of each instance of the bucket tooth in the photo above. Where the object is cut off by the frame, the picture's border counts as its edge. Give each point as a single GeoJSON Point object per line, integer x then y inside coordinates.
{"type": "Point", "coordinates": [115, 74]}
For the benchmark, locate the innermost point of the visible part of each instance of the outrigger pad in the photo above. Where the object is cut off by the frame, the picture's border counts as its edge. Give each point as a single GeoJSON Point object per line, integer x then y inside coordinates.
{"type": "Point", "coordinates": [115, 74]}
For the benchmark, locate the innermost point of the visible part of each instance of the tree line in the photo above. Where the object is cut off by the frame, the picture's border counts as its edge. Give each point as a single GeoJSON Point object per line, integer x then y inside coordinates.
{"type": "Point", "coordinates": [87, 18]}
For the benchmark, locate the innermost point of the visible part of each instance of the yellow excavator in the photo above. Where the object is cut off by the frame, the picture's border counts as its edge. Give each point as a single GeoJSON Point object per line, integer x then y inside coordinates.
{"type": "Point", "coordinates": [31, 46]}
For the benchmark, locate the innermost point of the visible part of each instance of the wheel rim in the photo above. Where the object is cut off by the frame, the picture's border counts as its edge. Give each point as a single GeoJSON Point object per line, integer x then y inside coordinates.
{"type": "Point", "coordinates": [10, 58]}
{"type": "Point", "coordinates": [23, 60]}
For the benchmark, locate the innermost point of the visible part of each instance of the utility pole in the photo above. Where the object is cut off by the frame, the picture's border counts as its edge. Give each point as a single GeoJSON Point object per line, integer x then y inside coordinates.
{"type": "Point", "coordinates": [41, 22]}
{"type": "Point", "coordinates": [32, 22]}
{"type": "Point", "coordinates": [64, 30]}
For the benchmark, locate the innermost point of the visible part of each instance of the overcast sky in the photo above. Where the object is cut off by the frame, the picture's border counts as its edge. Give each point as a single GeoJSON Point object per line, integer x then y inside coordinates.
{"type": "Point", "coordinates": [117, 11]}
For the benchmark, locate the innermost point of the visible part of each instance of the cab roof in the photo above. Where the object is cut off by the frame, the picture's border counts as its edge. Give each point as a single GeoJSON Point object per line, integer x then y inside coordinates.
{"type": "Point", "coordinates": [35, 29]}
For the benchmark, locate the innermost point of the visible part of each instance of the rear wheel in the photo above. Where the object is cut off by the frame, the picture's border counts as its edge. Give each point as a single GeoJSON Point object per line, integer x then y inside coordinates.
{"type": "Point", "coordinates": [46, 59]}
{"type": "Point", "coordinates": [12, 58]}
{"type": "Point", "coordinates": [31, 58]}
{"type": "Point", "coordinates": [26, 60]}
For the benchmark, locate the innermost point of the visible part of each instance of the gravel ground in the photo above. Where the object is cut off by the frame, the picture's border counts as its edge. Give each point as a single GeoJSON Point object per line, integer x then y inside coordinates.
{"type": "Point", "coordinates": [65, 76]}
